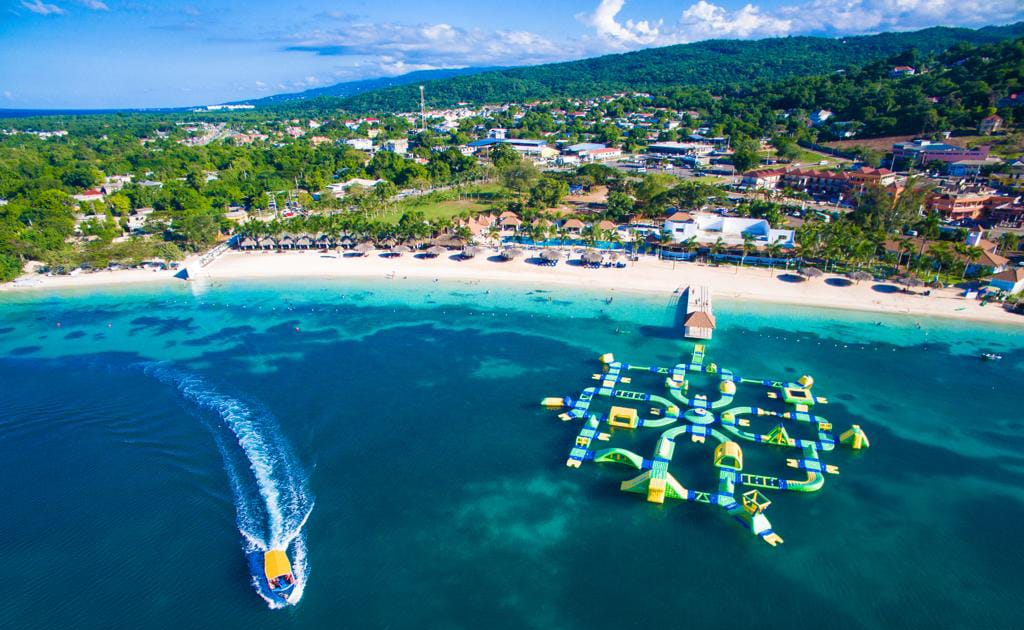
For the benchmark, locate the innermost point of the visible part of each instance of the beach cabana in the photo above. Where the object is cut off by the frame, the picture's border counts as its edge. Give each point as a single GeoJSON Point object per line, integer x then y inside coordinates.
{"type": "Point", "coordinates": [590, 258]}
{"type": "Point", "coordinates": [303, 241]}
{"type": "Point", "coordinates": [859, 276]}
{"type": "Point", "coordinates": [346, 241]}
{"type": "Point", "coordinates": [287, 241]}
{"type": "Point", "coordinates": [267, 242]}
{"type": "Point", "coordinates": [550, 256]}
{"type": "Point", "coordinates": [247, 243]}
{"type": "Point", "coordinates": [511, 252]}
{"type": "Point", "coordinates": [324, 241]}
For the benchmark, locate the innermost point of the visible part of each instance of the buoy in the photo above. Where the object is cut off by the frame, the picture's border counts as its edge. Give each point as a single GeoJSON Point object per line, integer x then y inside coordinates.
{"type": "Point", "coordinates": [807, 381]}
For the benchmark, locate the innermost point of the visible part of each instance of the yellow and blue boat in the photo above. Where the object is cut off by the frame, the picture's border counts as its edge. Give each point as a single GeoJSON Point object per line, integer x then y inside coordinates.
{"type": "Point", "coordinates": [278, 572]}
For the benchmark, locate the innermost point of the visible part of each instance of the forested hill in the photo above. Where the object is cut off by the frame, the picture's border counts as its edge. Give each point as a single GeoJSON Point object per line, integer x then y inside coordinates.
{"type": "Point", "coordinates": [709, 63]}
{"type": "Point", "coordinates": [351, 88]}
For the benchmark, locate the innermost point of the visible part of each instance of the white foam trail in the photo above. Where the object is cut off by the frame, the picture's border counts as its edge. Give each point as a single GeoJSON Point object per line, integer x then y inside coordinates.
{"type": "Point", "coordinates": [286, 505]}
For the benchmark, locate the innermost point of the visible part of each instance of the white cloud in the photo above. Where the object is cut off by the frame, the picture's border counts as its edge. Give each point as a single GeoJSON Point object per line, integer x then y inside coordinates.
{"type": "Point", "coordinates": [95, 5]}
{"type": "Point", "coordinates": [42, 8]}
{"type": "Point", "coordinates": [702, 20]}
{"type": "Point", "coordinates": [398, 48]}
{"type": "Point", "coordinates": [705, 20]}
{"type": "Point", "coordinates": [8, 95]}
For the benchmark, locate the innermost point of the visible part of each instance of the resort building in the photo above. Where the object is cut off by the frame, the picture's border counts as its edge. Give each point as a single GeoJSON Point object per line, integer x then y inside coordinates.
{"type": "Point", "coordinates": [710, 228]}
{"type": "Point", "coordinates": [763, 179]}
{"type": "Point", "coordinates": [923, 151]}
{"type": "Point", "coordinates": [965, 203]}
{"type": "Point", "coordinates": [1009, 280]}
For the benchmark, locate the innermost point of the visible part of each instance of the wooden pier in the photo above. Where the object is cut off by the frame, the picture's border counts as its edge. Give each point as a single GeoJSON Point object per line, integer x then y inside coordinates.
{"type": "Point", "coordinates": [699, 322]}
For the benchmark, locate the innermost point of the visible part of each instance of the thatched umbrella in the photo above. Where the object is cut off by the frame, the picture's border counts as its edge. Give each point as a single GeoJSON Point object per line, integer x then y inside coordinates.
{"type": "Point", "coordinates": [550, 255]}
{"type": "Point", "coordinates": [364, 248]}
{"type": "Point", "coordinates": [435, 251]}
{"type": "Point", "coordinates": [511, 252]}
{"type": "Point", "coordinates": [471, 251]}
{"type": "Point", "coordinates": [811, 272]}
{"type": "Point", "coordinates": [398, 250]}
{"type": "Point", "coordinates": [612, 257]}
{"type": "Point", "coordinates": [910, 281]}
{"type": "Point", "coordinates": [591, 257]}
{"type": "Point", "coordinates": [859, 276]}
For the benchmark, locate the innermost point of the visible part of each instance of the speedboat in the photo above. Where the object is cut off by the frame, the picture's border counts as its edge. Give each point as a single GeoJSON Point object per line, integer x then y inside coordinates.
{"type": "Point", "coordinates": [278, 571]}
{"type": "Point", "coordinates": [991, 356]}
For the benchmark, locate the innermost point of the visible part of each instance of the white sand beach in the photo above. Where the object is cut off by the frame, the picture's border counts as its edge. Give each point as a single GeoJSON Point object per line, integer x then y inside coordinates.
{"type": "Point", "coordinates": [647, 275]}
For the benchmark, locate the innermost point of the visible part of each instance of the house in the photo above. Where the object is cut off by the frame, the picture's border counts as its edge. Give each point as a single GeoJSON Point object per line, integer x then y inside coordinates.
{"type": "Point", "coordinates": [399, 146]}
{"type": "Point", "coordinates": [968, 168]}
{"type": "Point", "coordinates": [817, 182]}
{"type": "Point", "coordinates": [1010, 280]}
{"type": "Point", "coordinates": [902, 71]}
{"type": "Point", "coordinates": [990, 124]}
{"type": "Point", "coordinates": [497, 133]}
{"type": "Point", "coordinates": [340, 189]}
{"type": "Point", "coordinates": [509, 221]}
{"type": "Point", "coordinates": [573, 226]}
{"type": "Point", "coordinates": [709, 228]}
{"type": "Point", "coordinates": [763, 179]}
{"type": "Point", "coordinates": [93, 194]}
{"type": "Point", "coordinates": [360, 144]}
{"type": "Point", "coordinates": [607, 153]}
{"type": "Point", "coordinates": [820, 116]}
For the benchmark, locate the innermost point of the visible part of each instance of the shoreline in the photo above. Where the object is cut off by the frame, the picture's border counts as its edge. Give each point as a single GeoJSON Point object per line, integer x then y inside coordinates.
{"type": "Point", "coordinates": [648, 275]}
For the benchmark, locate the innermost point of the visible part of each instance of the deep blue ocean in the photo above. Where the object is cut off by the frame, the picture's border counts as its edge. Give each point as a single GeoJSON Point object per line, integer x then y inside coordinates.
{"type": "Point", "coordinates": [389, 434]}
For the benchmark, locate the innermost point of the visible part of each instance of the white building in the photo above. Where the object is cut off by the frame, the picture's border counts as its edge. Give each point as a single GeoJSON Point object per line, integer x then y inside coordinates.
{"type": "Point", "coordinates": [400, 146]}
{"type": "Point", "coordinates": [360, 144]}
{"type": "Point", "coordinates": [708, 228]}
{"type": "Point", "coordinates": [339, 189]}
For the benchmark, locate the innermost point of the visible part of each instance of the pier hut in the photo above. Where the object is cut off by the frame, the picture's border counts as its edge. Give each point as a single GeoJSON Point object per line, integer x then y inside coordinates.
{"type": "Point", "coordinates": [699, 322]}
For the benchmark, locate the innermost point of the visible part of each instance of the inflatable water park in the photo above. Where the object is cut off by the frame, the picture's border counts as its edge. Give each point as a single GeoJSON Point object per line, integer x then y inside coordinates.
{"type": "Point", "coordinates": [789, 428]}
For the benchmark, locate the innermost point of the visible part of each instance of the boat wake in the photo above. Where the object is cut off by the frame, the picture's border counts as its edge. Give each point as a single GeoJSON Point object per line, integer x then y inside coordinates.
{"type": "Point", "coordinates": [269, 486]}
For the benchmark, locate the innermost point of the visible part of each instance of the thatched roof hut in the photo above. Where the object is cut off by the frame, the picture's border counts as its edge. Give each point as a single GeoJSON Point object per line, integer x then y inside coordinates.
{"type": "Point", "coordinates": [591, 258]}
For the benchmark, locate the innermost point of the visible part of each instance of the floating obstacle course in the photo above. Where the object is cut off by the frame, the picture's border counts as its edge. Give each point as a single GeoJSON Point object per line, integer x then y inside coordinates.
{"type": "Point", "coordinates": [682, 413]}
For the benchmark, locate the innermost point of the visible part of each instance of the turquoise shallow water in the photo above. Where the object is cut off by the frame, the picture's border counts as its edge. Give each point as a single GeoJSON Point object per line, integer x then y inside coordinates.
{"type": "Point", "coordinates": [156, 434]}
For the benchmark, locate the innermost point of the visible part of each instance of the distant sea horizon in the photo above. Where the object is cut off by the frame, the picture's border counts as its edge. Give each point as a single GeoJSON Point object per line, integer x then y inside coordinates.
{"type": "Point", "coordinates": [35, 113]}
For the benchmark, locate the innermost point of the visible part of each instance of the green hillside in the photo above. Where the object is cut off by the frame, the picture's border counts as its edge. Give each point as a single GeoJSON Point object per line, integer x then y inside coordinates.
{"type": "Point", "coordinates": [711, 63]}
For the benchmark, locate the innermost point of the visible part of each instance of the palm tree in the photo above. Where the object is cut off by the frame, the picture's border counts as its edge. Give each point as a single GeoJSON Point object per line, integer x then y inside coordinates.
{"type": "Point", "coordinates": [748, 245]}
{"type": "Point", "coordinates": [717, 247]}
{"type": "Point", "coordinates": [772, 250]}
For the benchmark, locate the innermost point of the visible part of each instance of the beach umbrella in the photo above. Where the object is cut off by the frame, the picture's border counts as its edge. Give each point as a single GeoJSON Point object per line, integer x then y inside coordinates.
{"type": "Point", "coordinates": [435, 251]}
{"type": "Point", "coordinates": [910, 281]}
{"type": "Point", "coordinates": [811, 272]}
{"type": "Point", "coordinates": [591, 258]}
{"type": "Point", "coordinates": [364, 248]}
{"type": "Point", "coordinates": [859, 276]}
{"type": "Point", "coordinates": [471, 251]}
{"type": "Point", "coordinates": [613, 257]}
{"type": "Point", "coordinates": [551, 255]}
{"type": "Point", "coordinates": [398, 250]}
{"type": "Point", "coordinates": [512, 252]}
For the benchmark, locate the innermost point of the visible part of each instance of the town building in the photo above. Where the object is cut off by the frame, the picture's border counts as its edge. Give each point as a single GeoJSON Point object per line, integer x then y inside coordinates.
{"type": "Point", "coordinates": [709, 228]}
{"type": "Point", "coordinates": [990, 124]}
{"type": "Point", "coordinates": [924, 151]}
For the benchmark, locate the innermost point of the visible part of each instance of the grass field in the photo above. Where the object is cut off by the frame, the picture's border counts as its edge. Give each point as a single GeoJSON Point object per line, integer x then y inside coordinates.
{"type": "Point", "coordinates": [445, 205]}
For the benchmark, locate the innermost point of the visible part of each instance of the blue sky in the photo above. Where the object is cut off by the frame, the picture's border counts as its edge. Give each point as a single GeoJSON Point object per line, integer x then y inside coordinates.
{"type": "Point", "coordinates": [148, 53]}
